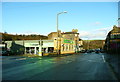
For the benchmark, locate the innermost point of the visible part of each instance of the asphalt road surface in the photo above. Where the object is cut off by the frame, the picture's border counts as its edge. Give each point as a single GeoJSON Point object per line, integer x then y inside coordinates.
{"type": "Point", "coordinates": [85, 66]}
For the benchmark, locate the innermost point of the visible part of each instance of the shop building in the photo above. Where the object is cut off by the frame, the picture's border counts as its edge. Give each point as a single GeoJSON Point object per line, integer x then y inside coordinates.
{"type": "Point", "coordinates": [31, 46]}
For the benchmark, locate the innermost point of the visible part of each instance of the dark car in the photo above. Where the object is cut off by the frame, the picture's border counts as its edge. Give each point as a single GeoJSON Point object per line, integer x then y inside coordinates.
{"type": "Point", "coordinates": [83, 51]}
{"type": "Point", "coordinates": [97, 51]}
{"type": "Point", "coordinates": [89, 51]}
{"type": "Point", "coordinates": [4, 53]}
{"type": "Point", "coordinates": [102, 51]}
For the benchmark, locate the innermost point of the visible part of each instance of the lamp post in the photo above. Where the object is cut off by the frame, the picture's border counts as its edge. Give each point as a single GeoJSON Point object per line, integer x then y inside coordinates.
{"type": "Point", "coordinates": [57, 28]}
{"type": "Point", "coordinates": [118, 22]}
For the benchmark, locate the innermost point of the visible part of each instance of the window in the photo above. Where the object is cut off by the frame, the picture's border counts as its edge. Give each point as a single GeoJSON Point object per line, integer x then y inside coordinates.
{"type": "Point", "coordinates": [112, 36]}
{"type": "Point", "coordinates": [119, 36]}
{"type": "Point", "coordinates": [115, 36]}
{"type": "Point", "coordinates": [72, 47]}
{"type": "Point", "coordinates": [66, 47]}
{"type": "Point", "coordinates": [69, 47]}
{"type": "Point", "coordinates": [76, 35]}
{"type": "Point", "coordinates": [79, 39]}
{"type": "Point", "coordinates": [63, 47]}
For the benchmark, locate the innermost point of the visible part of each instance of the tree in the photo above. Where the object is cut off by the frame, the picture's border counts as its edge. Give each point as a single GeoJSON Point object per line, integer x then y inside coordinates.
{"type": "Point", "coordinates": [5, 32]}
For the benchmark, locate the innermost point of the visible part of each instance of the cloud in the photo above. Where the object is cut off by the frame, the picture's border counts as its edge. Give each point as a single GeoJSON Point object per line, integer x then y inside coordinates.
{"type": "Point", "coordinates": [84, 33]}
{"type": "Point", "coordinates": [97, 23]}
{"type": "Point", "coordinates": [107, 29]}
{"type": "Point", "coordinates": [95, 34]}
{"type": "Point", "coordinates": [25, 33]}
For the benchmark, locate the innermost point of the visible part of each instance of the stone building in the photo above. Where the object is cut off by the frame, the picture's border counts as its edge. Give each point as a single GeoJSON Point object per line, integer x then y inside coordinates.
{"type": "Point", "coordinates": [52, 35]}
{"type": "Point", "coordinates": [66, 42]}
{"type": "Point", "coordinates": [112, 42]}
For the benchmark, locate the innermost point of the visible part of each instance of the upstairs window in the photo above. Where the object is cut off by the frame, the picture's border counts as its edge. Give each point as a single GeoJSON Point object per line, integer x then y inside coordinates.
{"type": "Point", "coordinates": [115, 36]}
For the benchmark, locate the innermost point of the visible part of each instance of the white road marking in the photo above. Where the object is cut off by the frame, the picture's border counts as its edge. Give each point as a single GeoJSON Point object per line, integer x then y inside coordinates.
{"type": "Point", "coordinates": [21, 59]}
{"type": "Point", "coordinates": [90, 60]}
{"type": "Point", "coordinates": [103, 58]}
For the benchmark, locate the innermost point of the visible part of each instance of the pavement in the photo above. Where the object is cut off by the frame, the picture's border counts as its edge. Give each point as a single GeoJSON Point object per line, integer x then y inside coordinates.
{"type": "Point", "coordinates": [114, 63]}
{"type": "Point", "coordinates": [84, 66]}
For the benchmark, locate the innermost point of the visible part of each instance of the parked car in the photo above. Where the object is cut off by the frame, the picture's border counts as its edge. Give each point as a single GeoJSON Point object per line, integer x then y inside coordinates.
{"type": "Point", "coordinates": [89, 51]}
{"type": "Point", "coordinates": [97, 51]}
{"type": "Point", "coordinates": [4, 53]}
{"type": "Point", "coordinates": [102, 51]}
{"type": "Point", "coordinates": [82, 51]}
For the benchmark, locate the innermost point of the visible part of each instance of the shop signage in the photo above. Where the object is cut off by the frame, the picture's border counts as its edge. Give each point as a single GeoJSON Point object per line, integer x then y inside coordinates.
{"type": "Point", "coordinates": [31, 44]}
{"type": "Point", "coordinates": [68, 41]}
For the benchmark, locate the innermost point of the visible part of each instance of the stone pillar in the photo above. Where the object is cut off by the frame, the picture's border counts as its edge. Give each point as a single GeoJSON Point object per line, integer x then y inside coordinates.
{"type": "Point", "coordinates": [40, 51]}
{"type": "Point", "coordinates": [46, 50]}
{"type": "Point", "coordinates": [35, 50]}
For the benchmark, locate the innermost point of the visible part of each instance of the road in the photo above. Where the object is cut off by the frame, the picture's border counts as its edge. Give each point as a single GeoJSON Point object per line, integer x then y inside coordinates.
{"type": "Point", "coordinates": [84, 66]}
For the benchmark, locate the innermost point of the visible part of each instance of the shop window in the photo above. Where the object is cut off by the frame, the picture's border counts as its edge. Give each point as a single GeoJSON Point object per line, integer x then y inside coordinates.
{"type": "Point", "coordinates": [44, 50]}
{"type": "Point", "coordinates": [32, 50]}
{"type": "Point", "coordinates": [27, 49]}
{"type": "Point", "coordinates": [50, 49]}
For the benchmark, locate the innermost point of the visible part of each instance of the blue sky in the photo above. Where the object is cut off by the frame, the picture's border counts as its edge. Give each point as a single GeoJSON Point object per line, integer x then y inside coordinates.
{"type": "Point", "coordinates": [92, 19]}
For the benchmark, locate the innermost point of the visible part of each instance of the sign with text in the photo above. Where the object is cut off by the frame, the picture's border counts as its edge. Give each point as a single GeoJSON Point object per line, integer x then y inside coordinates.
{"type": "Point", "coordinates": [31, 44]}
{"type": "Point", "coordinates": [68, 41]}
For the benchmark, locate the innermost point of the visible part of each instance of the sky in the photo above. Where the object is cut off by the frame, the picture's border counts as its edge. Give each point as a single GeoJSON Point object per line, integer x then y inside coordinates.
{"type": "Point", "coordinates": [92, 19]}
{"type": "Point", "coordinates": [119, 13]}
{"type": "Point", "coordinates": [60, 0]}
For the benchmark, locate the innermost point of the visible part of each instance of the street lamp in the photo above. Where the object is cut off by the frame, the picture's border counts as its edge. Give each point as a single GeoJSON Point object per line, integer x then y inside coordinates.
{"type": "Point", "coordinates": [57, 17]}
{"type": "Point", "coordinates": [118, 22]}
{"type": "Point", "coordinates": [57, 27]}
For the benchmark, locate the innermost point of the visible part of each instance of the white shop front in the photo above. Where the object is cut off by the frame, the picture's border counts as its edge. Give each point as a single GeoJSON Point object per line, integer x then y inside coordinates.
{"type": "Point", "coordinates": [33, 48]}
{"type": "Point", "coordinates": [37, 48]}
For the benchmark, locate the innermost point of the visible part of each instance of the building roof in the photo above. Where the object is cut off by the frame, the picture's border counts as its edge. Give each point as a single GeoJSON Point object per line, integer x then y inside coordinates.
{"type": "Point", "coordinates": [52, 33]}
{"type": "Point", "coordinates": [115, 29]}
{"type": "Point", "coordinates": [70, 33]}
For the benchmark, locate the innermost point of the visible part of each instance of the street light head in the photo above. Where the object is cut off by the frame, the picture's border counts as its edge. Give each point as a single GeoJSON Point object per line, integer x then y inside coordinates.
{"type": "Point", "coordinates": [65, 11]}
{"type": "Point", "coordinates": [62, 12]}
